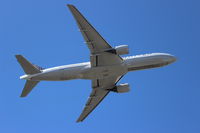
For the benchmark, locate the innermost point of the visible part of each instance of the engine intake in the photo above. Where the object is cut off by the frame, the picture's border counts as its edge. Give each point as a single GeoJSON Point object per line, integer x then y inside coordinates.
{"type": "Point", "coordinates": [119, 50]}
{"type": "Point", "coordinates": [122, 49]}
{"type": "Point", "coordinates": [122, 88]}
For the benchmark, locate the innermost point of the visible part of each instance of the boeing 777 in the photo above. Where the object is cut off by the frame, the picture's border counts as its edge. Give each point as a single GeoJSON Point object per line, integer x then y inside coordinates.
{"type": "Point", "coordinates": [105, 69]}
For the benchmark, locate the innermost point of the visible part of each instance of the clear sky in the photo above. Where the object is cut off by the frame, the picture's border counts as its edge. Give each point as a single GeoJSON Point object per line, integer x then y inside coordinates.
{"type": "Point", "coordinates": [163, 100]}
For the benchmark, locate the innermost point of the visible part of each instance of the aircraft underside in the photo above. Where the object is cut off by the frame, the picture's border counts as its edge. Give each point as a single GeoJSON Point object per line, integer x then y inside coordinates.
{"type": "Point", "coordinates": [105, 69]}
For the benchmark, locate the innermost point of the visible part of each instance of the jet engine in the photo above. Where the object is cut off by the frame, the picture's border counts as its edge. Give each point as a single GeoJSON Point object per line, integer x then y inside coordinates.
{"type": "Point", "coordinates": [119, 50]}
{"type": "Point", "coordinates": [122, 49]}
{"type": "Point", "coordinates": [122, 88]}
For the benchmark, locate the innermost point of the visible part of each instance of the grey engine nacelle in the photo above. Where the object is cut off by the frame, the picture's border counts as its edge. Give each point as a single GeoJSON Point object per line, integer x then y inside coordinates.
{"type": "Point", "coordinates": [122, 49]}
{"type": "Point", "coordinates": [122, 88]}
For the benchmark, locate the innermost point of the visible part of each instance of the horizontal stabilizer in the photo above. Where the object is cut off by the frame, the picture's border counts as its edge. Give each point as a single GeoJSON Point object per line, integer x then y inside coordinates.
{"type": "Point", "coordinates": [28, 87]}
{"type": "Point", "coordinates": [26, 65]}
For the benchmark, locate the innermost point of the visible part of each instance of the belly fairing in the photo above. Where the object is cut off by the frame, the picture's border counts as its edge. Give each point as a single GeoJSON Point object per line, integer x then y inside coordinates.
{"type": "Point", "coordinates": [104, 72]}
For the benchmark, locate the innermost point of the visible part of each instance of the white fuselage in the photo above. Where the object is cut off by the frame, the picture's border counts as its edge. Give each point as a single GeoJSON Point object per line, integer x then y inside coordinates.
{"type": "Point", "coordinates": [85, 71]}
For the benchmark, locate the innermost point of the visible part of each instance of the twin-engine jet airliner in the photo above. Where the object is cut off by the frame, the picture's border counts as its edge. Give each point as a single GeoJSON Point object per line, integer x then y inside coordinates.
{"type": "Point", "coordinates": [105, 69]}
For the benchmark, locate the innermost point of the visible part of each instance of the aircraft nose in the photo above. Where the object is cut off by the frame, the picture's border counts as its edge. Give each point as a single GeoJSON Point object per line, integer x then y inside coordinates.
{"type": "Point", "coordinates": [171, 58]}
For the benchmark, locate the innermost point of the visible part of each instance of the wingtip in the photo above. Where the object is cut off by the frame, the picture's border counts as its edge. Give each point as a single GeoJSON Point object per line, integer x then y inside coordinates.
{"type": "Point", "coordinates": [78, 121]}
{"type": "Point", "coordinates": [70, 5]}
{"type": "Point", "coordinates": [23, 95]}
{"type": "Point", "coordinates": [17, 55]}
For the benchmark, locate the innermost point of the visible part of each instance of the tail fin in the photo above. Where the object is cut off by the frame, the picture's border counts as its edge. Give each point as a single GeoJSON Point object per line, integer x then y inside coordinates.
{"type": "Point", "coordinates": [27, 66]}
{"type": "Point", "coordinates": [28, 69]}
{"type": "Point", "coordinates": [28, 87]}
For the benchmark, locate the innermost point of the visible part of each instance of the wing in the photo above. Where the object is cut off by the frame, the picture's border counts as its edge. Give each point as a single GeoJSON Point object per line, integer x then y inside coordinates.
{"type": "Point", "coordinates": [93, 39]}
{"type": "Point", "coordinates": [99, 92]}
{"type": "Point", "coordinates": [101, 55]}
{"type": "Point", "coordinates": [96, 96]}
{"type": "Point", "coordinates": [95, 42]}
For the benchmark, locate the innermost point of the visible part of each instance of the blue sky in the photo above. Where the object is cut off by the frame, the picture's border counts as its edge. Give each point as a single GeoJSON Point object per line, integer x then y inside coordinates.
{"type": "Point", "coordinates": [162, 100]}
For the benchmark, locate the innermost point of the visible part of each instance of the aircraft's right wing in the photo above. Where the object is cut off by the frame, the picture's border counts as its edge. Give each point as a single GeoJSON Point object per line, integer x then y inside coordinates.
{"type": "Point", "coordinates": [95, 42]}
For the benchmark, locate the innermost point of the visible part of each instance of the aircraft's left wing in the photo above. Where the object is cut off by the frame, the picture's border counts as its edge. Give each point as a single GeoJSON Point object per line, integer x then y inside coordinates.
{"type": "Point", "coordinates": [99, 92]}
{"type": "Point", "coordinates": [96, 96]}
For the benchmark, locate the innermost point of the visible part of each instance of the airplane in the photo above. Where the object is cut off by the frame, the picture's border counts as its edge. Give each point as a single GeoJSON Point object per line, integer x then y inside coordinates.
{"type": "Point", "coordinates": [105, 69]}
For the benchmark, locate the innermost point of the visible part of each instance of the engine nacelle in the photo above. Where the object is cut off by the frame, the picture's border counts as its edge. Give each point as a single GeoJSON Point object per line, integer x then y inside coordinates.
{"type": "Point", "coordinates": [122, 49]}
{"type": "Point", "coordinates": [122, 88]}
